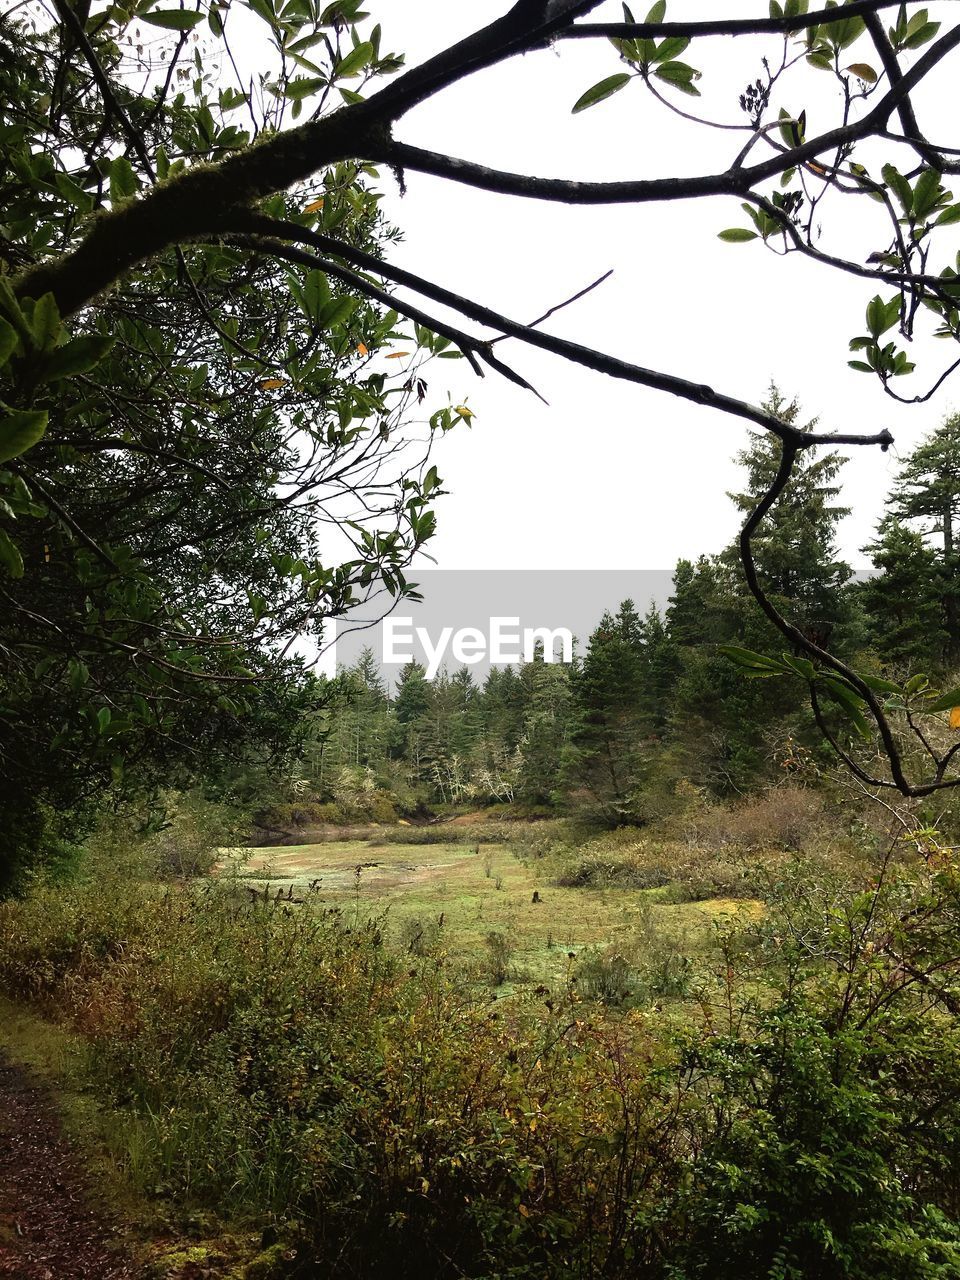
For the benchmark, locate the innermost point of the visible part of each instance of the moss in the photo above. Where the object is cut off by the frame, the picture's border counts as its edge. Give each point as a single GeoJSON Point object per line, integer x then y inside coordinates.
{"type": "Point", "coordinates": [272, 1264]}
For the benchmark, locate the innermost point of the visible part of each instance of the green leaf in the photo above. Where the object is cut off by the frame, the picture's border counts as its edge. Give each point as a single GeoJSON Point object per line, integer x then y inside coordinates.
{"type": "Point", "coordinates": [925, 193]}
{"type": "Point", "coordinates": [950, 214]}
{"type": "Point", "coordinates": [124, 183]}
{"type": "Point", "coordinates": [264, 10]}
{"type": "Point", "coordinates": [670, 48]}
{"type": "Point", "coordinates": [901, 187]}
{"type": "Point", "coordinates": [8, 341]}
{"type": "Point", "coordinates": [752, 661]}
{"type": "Point", "coordinates": [802, 666]}
{"type": "Point", "coordinates": [603, 89]}
{"type": "Point", "coordinates": [921, 36]}
{"type": "Point", "coordinates": [337, 311]}
{"type": "Point", "coordinates": [20, 431]}
{"type": "Point", "coordinates": [879, 685]}
{"type": "Point", "coordinates": [172, 19]}
{"type": "Point", "coordinates": [76, 356]}
{"type": "Point", "coordinates": [657, 13]}
{"type": "Point", "coordinates": [680, 75]}
{"type": "Point", "coordinates": [355, 61]}
{"type": "Point", "coordinates": [303, 87]}
{"type": "Point", "coordinates": [849, 702]}
{"type": "Point", "coordinates": [104, 716]}
{"type": "Point", "coordinates": [946, 701]}
{"type": "Point", "coordinates": [881, 315]}
{"type": "Point", "coordinates": [45, 324]}
{"type": "Point", "coordinates": [10, 557]}
{"type": "Point", "coordinates": [736, 235]}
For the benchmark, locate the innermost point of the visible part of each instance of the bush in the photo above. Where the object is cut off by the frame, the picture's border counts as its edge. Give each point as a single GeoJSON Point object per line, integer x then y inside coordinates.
{"type": "Point", "coordinates": [802, 1118]}
{"type": "Point", "coordinates": [191, 835]}
{"type": "Point", "coordinates": [625, 861]}
{"type": "Point", "coordinates": [786, 817]}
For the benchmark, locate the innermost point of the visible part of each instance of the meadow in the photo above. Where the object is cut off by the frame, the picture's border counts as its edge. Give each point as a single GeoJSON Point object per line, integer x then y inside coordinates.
{"type": "Point", "coordinates": [498, 913]}
{"type": "Point", "coordinates": [505, 1049]}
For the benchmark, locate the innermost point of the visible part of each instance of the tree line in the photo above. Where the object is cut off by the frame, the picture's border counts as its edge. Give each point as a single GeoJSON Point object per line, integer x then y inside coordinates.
{"type": "Point", "coordinates": [653, 699]}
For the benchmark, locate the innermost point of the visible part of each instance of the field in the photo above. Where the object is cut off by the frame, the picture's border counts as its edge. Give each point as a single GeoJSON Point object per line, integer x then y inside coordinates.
{"type": "Point", "coordinates": [455, 895]}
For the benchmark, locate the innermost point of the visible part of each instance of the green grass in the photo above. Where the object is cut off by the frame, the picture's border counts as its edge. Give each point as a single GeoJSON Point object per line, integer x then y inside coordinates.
{"type": "Point", "coordinates": [477, 890]}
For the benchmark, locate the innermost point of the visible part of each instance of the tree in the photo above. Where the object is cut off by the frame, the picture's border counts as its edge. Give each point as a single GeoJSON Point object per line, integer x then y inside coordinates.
{"type": "Point", "coordinates": [796, 554]}
{"type": "Point", "coordinates": [137, 186]}
{"type": "Point", "coordinates": [608, 748]}
{"type": "Point", "coordinates": [927, 495]}
{"type": "Point", "coordinates": [904, 602]}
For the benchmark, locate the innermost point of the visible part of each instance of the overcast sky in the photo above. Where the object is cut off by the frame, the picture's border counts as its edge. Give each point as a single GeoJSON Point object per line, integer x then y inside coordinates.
{"type": "Point", "coordinates": [609, 475]}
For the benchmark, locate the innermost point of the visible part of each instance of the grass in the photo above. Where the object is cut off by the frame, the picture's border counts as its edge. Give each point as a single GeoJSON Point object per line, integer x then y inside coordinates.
{"type": "Point", "coordinates": [477, 890]}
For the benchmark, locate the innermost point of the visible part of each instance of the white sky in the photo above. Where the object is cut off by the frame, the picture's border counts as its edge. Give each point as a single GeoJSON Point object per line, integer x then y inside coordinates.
{"type": "Point", "coordinates": [611, 475]}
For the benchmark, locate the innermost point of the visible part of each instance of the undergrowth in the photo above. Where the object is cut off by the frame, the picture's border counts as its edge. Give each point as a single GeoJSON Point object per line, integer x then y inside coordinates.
{"type": "Point", "coordinates": [797, 1117]}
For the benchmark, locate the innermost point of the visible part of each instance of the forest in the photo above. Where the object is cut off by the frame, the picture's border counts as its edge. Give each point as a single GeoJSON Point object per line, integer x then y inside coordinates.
{"type": "Point", "coordinates": [642, 965]}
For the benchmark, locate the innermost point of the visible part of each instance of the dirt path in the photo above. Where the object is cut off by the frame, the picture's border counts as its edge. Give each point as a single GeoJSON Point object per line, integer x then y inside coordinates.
{"type": "Point", "coordinates": [49, 1229]}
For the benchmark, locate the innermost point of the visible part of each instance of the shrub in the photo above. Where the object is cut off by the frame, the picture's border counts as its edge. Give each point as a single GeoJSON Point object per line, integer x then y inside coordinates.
{"type": "Point", "coordinates": [192, 833]}
{"type": "Point", "coordinates": [786, 817]}
{"type": "Point", "coordinates": [801, 1119]}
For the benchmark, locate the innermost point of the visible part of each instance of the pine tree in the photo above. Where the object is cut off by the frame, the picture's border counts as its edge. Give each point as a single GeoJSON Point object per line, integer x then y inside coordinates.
{"type": "Point", "coordinates": [904, 603]}
{"type": "Point", "coordinates": [795, 547]}
{"type": "Point", "coordinates": [545, 729]}
{"type": "Point", "coordinates": [607, 747]}
{"type": "Point", "coordinates": [927, 495]}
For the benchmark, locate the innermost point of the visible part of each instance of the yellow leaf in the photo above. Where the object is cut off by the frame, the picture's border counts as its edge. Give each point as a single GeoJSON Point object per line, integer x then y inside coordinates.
{"type": "Point", "coordinates": [271, 384]}
{"type": "Point", "coordinates": [524, 1211]}
{"type": "Point", "coordinates": [314, 205]}
{"type": "Point", "coordinates": [955, 718]}
{"type": "Point", "coordinates": [397, 355]}
{"type": "Point", "coordinates": [464, 412]}
{"type": "Point", "coordinates": [363, 349]}
{"type": "Point", "coordinates": [533, 1125]}
{"type": "Point", "coordinates": [863, 71]}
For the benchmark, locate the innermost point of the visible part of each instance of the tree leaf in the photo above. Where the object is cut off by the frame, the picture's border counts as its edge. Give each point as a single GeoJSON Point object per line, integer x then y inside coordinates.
{"type": "Point", "coordinates": [863, 71]}
{"type": "Point", "coordinates": [45, 324]}
{"type": "Point", "coordinates": [921, 36]}
{"type": "Point", "coordinates": [20, 431]}
{"type": "Point", "coordinates": [355, 61]}
{"type": "Point", "coordinates": [946, 702]}
{"type": "Point", "coordinates": [901, 187]}
{"type": "Point", "coordinates": [76, 356]}
{"type": "Point", "coordinates": [172, 19]}
{"type": "Point", "coordinates": [670, 49]}
{"type": "Point", "coordinates": [10, 557]}
{"type": "Point", "coordinates": [603, 89]}
{"type": "Point", "coordinates": [752, 661]}
{"type": "Point", "coordinates": [680, 75]}
{"type": "Point", "coordinates": [737, 235]}
{"type": "Point", "coordinates": [124, 183]}
{"type": "Point", "coordinates": [8, 341]}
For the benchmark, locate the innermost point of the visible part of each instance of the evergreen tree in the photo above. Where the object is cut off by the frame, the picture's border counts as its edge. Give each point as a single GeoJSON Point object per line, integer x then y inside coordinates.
{"type": "Point", "coordinates": [927, 495]}
{"type": "Point", "coordinates": [606, 752]}
{"type": "Point", "coordinates": [904, 603]}
{"type": "Point", "coordinates": [795, 547]}
{"type": "Point", "coordinates": [546, 727]}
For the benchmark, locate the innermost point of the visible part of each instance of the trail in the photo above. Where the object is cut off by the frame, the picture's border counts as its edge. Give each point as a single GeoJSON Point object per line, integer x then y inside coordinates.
{"type": "Point", "coordinates": [49, 1227]}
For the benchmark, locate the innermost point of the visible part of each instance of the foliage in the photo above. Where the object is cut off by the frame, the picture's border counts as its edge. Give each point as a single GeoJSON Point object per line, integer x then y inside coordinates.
{"type": "Point", "coordinates": [800, 1118]}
